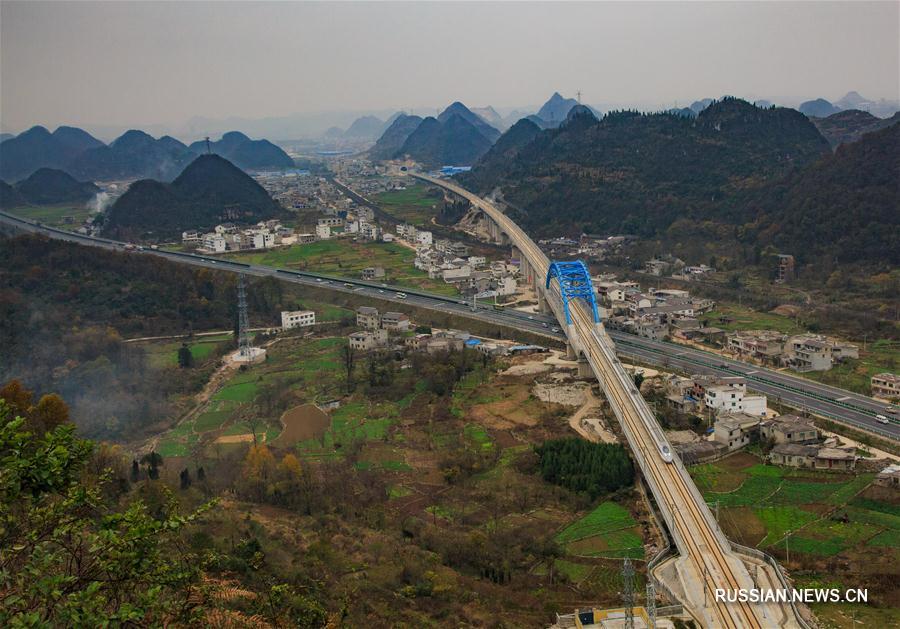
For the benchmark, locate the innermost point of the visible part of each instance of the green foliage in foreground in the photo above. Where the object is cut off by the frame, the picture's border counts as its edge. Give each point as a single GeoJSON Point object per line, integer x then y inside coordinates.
{"type": "Point", "coordinates": [67, 557]}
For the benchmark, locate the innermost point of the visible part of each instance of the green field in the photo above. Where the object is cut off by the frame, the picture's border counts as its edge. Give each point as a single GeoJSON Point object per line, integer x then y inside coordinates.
{"type": "Point", "coordinates": [747, 319]}
{"type": "Point", "coordinates": [345, 258]}
{"type": "Point", "coordinates": [770, 503]}
{"type": "Point", "coordinates": [607, 531]}
{"type": "Point", "coordinates": [53, 214]}
{"type": "Point", "coordinates": [414, 205]}
{"type": "Point", "coordinates": [310, 365]}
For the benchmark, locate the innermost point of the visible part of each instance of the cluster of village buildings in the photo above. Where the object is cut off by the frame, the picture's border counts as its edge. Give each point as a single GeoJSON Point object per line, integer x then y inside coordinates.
{"type": "Point", "coordinates": [654, 314]}
{"type": "Point", "coordinates": [392, 330]}
{"type": "Point", "coordinates": [801, 352]}
{"type": "Point", "coordinates": [739, 419]}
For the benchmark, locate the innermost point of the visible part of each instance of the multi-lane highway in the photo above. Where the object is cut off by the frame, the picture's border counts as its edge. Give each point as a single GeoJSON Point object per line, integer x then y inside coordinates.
{"type": "Point", "coordinates": [707, 560]}
{"type": "Point", "coordinates": [839, 404]}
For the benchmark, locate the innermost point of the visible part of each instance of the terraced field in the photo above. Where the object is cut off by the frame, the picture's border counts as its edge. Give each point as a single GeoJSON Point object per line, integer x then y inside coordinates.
{"type": "Point", "coordinates": [818, 511]}
{"type": "Point", "coordinates": [607, 531]}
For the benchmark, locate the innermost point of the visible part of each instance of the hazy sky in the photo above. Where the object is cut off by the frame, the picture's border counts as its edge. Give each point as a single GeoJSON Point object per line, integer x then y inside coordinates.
{"type": "Point", "coordinates": [129, 63]}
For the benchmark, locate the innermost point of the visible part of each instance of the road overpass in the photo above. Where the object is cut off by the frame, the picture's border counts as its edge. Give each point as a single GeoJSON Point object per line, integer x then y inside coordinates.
{"type": "Point", "coordinates": [708, 561]}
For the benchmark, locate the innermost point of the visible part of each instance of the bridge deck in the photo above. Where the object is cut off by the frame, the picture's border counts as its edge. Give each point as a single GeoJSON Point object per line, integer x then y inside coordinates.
{"type": "Point", "coordinates": [710, 562]}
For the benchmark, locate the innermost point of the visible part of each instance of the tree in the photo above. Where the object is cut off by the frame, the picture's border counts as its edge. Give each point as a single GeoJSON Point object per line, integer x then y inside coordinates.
{"type": "Point", "coordinates": [69, 557]}
{"type": "Point", "coordinates": [185, 479]}
{"type": "Point", "coordinates": [152, 460]}
{"type": "Point", "coordinates": [638, 379]}
{"type": "Point", "coordinates": [18, 398]}
{"type": "Point", "coordinates": [50, 411]}
{"type": "Point", "coordinates": [185, 357]}
{"type": "Point", "coordinates": [135, 471]}
{"type": "Point", "coordinates": [349, 358]}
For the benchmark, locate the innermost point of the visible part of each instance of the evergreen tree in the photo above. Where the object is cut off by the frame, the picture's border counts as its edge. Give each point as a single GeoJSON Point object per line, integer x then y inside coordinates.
{"type": "Point", "coordinates": [185, 357]}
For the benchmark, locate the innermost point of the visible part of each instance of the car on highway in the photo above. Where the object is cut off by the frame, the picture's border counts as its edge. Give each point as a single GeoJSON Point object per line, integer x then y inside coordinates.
{"type": "Point", "coordinates": [531, 318]}
{"type": "Point", "coordinates": [882, 419]}
{"type": "Point", "coordinates": [545, 325]}
{"type": "Point", "coordinates": [348, 284]}
{"type": "Point", "coordinates": [380, 291]}
{"type": "Point", "coordinates": [890, 409]}
{"type": "Point", "coordinates": [400, 295]}
{"type": "Point", "coordinates": [554, 329]}
{"type": "Point", "coordinates": [318, 279]}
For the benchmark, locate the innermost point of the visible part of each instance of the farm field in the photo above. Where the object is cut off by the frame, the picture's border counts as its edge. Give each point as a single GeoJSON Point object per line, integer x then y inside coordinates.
{"type": "Point", "coordinates": [808, 519]}
{"type": "Point", "coordinates": [344, 258]}
{"type": "Point", "coordinates": [415, 205]}
{"type": "Point", "coordinates": [53, 214]}
{"type": "Point", "coordinates": [742, 318]}
{"type": "Point", "coordinates": [457, 477]}
{"type": "Point", "coordinates": [607, 531]}
{"type": "Point", "coordinates": [223, 421]}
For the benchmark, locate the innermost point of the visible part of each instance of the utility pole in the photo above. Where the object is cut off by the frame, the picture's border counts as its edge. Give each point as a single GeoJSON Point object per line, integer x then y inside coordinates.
{"type": "Point", "coordinates": [628, 592]}
{"type": "Point", "coordinates": [578, 94]}
{"type": "Point", "coordinates": [208, 151]}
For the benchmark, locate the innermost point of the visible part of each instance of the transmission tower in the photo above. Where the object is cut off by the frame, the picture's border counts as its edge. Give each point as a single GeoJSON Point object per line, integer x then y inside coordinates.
{"type": "Point", "coordinates": [243, 339]}
{"type": "Point", "coordinates": [650, 605]}
{"type": "Point", "coordinates": [628, 592]}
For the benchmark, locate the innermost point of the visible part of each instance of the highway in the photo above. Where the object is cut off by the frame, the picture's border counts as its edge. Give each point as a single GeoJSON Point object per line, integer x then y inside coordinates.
{"type": "Point", "coordinates": [851, 408]}
{"type": "Point", "coordinates": [708, 559]}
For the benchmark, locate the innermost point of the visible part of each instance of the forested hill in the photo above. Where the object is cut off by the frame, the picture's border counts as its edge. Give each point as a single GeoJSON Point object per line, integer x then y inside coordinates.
{"type": "Point", "coordinates": [64, 309]}
{"type": "Point", "coordinates": [846, 207]}
{"type": "Point", "coordinates": [638, 173]}
{"type": "Point", "coordinates": [211, 190]}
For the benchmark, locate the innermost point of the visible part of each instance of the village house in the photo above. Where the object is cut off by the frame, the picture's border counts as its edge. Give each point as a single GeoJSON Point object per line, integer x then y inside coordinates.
{"type": "Point", "coordinates": [372, 273]}
{"type": "Point", "coordinates": [788, 429]}
{"type": "Point", "coordinates": [885, 385]}
{"type": "Point", "coordinates": [297, 318]}
{"type": "Point", "coordinates": [395, 321]}
{"type": "Point", "coordinates": [763, 345]}
{"type": "Point", "coordinates": [368, 340]}
{"type": "Point", "coordinates": [367, 317]}
{"type": "Point", "coordinates": [736, 430]}
{"type": "Point", "coordinates": [793, 455]}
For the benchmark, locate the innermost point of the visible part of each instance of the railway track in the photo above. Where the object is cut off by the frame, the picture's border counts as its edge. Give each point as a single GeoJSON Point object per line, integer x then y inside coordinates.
{"type": "Point", "coordinates": [696, 533]}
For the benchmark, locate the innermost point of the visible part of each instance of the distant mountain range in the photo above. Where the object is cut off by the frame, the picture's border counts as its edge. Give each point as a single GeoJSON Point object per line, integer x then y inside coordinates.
{"type": "Point", "coordinates": [391, 141]}
{"type": "Point", "coordinates": [736, 171]}
{"type": "Point", "coordinates": [555, 110]}
{"type": "Point", "coordinates": [821, 108]}
{"type": "Point", "coordinates": [244, 152]}
{"type": "Point", "coordinates": [457, 136]}
{"type": "Point", "coordinates": [38, 148]}
{"type": "Point", "coordinates": [209, 191]}
{"type": "Point", "coordinates": [638, 173]}
{"type": "Point", "coordinates": [818, 108]}
{"type": "Point", "coordinates": [132, 155]}
{"type": "Point", "coordinates": [850, 125]}
{"type": "Point", "coordinates": [47, 186]}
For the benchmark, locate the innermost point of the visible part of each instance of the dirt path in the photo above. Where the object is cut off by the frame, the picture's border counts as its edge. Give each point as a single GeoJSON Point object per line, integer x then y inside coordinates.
{"type": "Point", "coordinates": [586, 423]}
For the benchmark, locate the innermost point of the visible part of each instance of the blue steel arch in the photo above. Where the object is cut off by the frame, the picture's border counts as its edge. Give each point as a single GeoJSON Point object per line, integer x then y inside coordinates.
{"type": "Point", "coordinates": [574, 281]}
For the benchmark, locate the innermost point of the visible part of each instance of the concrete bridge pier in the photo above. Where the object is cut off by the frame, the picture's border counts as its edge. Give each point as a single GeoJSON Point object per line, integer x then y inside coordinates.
{"type": "Point", "coordinates": [543, 306]}
{"type": "Point", "coordinates": [570, 352]}
{"type": "Point", "coordinates": [584, 368]}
